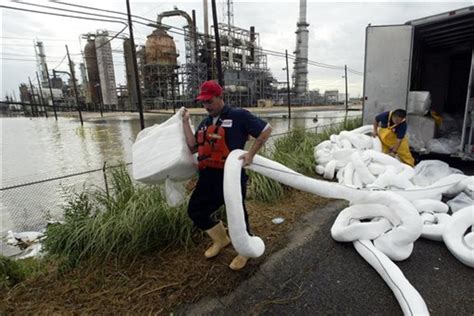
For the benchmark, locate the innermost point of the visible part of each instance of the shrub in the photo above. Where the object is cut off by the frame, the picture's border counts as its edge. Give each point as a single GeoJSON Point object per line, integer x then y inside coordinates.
{"type": "Point", "coordinates": [15, 271]}
{"type": "Point", "coordinates": [133, 220]}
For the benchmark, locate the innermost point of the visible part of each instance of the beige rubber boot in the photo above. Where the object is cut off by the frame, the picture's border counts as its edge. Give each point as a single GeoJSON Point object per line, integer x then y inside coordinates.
{"type": "Point", "coordinates": [238, 263]}
{"type": "Point", "coordinates": [219, 238]}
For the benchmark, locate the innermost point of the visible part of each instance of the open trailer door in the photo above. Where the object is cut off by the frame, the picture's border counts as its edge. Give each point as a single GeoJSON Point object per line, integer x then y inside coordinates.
{"type": "Point", "coordinates": [388, 51]}
{"type": "Point", "coordinates": [467, 146]}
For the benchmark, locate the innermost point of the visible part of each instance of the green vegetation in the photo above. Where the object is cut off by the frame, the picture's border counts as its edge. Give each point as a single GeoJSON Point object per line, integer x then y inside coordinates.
{"type": "Point", "coordinates": [15, 271]}
{"type": "Point", "coordinates": [263, 189]}
{"type": "Point", "coordinates": [295, 150]}
{"type": "Point", "coordinates": [133, 220]}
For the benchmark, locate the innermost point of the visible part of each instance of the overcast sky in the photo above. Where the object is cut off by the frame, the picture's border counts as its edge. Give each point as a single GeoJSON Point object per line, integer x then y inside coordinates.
{"type": "Point", "coordinates": [336, 33]}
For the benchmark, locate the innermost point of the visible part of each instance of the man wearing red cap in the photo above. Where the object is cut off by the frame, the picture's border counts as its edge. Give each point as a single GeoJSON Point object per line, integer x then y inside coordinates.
{"type": "Point", "coordinates": [224, 130]}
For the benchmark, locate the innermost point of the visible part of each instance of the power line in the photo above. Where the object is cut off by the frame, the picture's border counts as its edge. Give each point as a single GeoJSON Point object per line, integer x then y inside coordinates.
{"type": "Point", "coordinates": [118, 19]}
{"type": "Point", "coordinates": [102, 10]}
{"type": "Point", "coordinates": [24, 45]}
{"type": "Point", "coordinates": [65, 10]}
{"type": "Point", "coordinates": [293, 57]}
{"type": "Point", "coordinates": [113, 37]}
{"type": "Point", "coordinates": [6, 58]}
{"type": "Point", "coordinates": [125, 14]}
{"type": "Point", "coordinates": [356, 72]}
{"type": "Point", "coordinates": [154, 8]}
{"type": "Point", "coordinates": [101, 15]}
{"type": "Point", "coordinates": [19, 59]}
{"type": "Point", "coordinates": [60, 63]}
{"type": "Point", "coordinates": [310, 62]}
{"type": "Point", "coordinates": [121, 20]}
{"type": "Point", "coordinates": [42, 39]}
{"type": "Point", "coordinates": [61, 15]}
{"type": "Point", "coordinates": [27, 55]}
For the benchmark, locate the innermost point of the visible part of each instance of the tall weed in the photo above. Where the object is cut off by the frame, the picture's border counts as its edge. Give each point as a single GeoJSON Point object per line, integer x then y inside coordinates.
{"type": "Point", "coordinates": [132, 220]}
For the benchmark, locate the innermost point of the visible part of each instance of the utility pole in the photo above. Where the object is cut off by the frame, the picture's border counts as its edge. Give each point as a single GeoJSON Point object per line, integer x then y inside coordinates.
{"type": "Point", "coordinates": [135, 67]}
{"type": "Point", "coordinates": [207, 42]}
{"type": "Point", "coordinates": [194, 37]}
{"type": "Point", "coordinates": [73, 77]}
{"type": "Point", "coordinates": [41, 94]}
{"type": "Point", "coordinates": [35, 111]}
{"type": "Point", "coordinates": [22, 102]}
{"type": "Point", "coordinates": [220, 77]}
{"type": "Point", "coordinates": [347, 104]}
{"type": "Point", "coordinates": [51, 91]}
{"type": "Point", "coordinates": [99, 97]}
{"type": "Point", "coordinates": [288, 84]}
{"type": "Point", "coordinates": [172, 93]}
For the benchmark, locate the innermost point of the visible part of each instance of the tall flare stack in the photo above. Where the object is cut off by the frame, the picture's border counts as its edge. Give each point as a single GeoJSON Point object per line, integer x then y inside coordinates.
{"type": "Point", "coordinates": [300, 69]}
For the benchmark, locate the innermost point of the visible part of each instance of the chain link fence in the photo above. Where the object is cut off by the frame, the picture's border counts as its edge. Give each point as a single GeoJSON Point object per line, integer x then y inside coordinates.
{"type": "Point", "coordinates": [30, 206]}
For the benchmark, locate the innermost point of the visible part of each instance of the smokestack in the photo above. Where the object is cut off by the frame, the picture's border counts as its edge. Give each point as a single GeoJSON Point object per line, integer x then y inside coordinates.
{"type": "Point", "coordinates": [300, 69]}
{"type": "Point", "coordinates": [252, 43]}
{"type": "Point", "coordinates": [206, 19]}
{"type": "Point", "coordinates": [42, 62]}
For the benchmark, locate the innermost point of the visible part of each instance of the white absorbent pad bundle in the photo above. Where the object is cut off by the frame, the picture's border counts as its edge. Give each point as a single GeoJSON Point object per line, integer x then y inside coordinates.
{"type": "Point", "coordinates": [459, 237]}
{"type": "Point", "coordinates": [382, 224]}
{"type": "Point", "coordinates": [161, 152]}
{"type": "Point", "coordinates": [419, 102]}
{"type": "Point", "coordinates": [356, 161]}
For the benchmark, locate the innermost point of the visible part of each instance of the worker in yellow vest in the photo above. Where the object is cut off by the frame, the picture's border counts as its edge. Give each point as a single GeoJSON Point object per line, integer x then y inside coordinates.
{"type": "Point", "coordinates": [391, 128]}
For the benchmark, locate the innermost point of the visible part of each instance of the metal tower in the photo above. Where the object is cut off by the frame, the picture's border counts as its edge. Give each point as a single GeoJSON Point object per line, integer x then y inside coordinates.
{"type": "Point", "coordinates": [300, 69]}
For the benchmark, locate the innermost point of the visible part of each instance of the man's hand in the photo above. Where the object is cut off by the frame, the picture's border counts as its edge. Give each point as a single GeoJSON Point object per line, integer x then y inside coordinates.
{"type": "Point", "coordinates": [247, 159]}
{"type": "Point", "coordinates": [374, 134]}
{"type": "Point", "coordinates": [185, 115]}
{"type": "Point", "coordinates": [188, 133]}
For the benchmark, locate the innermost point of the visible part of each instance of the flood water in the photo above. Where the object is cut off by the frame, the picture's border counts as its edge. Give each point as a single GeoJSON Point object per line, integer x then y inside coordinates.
{"type": "Point", "coordinates": [35, 149]}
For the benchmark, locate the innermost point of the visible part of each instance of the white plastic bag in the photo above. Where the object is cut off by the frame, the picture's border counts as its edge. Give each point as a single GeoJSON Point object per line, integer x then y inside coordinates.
{"type": "Point", "coordinates": [416, 142]}
{"type": "Point", "coordinates": [161, 152]}
{"type": "Point", "coordinates": [428, 172]}
{"type": "Point", "coordinates": [444, 145]}
{"type": "Point", "coordinates": [461, 201]}
{"type": "Point", "coordinates": [419, 102]}
{"type": "Point", "coordinates": [175, 192]}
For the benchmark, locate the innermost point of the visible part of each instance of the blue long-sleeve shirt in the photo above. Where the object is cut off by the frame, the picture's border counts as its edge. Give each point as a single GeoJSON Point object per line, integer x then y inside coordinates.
{"type": "Point", "coordinates": [400, 129]}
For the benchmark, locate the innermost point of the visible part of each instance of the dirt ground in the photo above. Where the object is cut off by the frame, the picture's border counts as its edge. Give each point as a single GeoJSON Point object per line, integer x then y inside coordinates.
{"type": "Point", "coordinates": [158, 283]}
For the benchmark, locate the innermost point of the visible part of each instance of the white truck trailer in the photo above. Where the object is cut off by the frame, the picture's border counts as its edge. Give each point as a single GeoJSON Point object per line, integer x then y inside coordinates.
{"type": "Point", "coordinates": [433, 54]}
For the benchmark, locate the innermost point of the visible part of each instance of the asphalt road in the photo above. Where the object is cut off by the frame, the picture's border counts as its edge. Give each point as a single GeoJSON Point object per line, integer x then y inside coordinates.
{"type": "Point", "coordinates": [316, 275]}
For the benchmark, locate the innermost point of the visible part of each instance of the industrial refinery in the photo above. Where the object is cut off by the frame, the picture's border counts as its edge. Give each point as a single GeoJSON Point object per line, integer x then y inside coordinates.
{"type": "Point", "coordinates": [165, 81]}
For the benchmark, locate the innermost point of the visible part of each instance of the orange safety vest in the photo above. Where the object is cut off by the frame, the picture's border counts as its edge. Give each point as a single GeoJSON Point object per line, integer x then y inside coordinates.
{"type": "Point", "coordinates": [212, 149]}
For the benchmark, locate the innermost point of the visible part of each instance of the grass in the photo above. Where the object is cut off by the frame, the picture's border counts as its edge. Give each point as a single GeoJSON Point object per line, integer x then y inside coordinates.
{"type": "Point", "coordinates": [133, 220]}
{"type": "Point", "coordinates": [16, 271]}
{"type": "Point", "coordinates": [295, 150]}
{"type": "Point", "coordinates": [263, 189]}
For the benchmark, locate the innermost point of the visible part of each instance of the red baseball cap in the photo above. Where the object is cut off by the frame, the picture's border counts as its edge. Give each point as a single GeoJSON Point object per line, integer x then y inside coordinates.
{"type": "Point", "coordinates": [208, 90]}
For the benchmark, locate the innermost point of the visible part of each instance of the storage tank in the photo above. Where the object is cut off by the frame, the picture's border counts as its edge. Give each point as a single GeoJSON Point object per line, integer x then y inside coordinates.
{"type": "Point", "coordinates": [160, 49]}
{"type": "Point", "coordinates": [105, 65]}
{"type": "Point", "coordinates": [92, 69]}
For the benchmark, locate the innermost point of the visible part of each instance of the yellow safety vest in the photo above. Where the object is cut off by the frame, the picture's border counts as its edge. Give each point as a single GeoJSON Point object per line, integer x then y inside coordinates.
{"type": "Point", "coordinates": [389, 139]}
